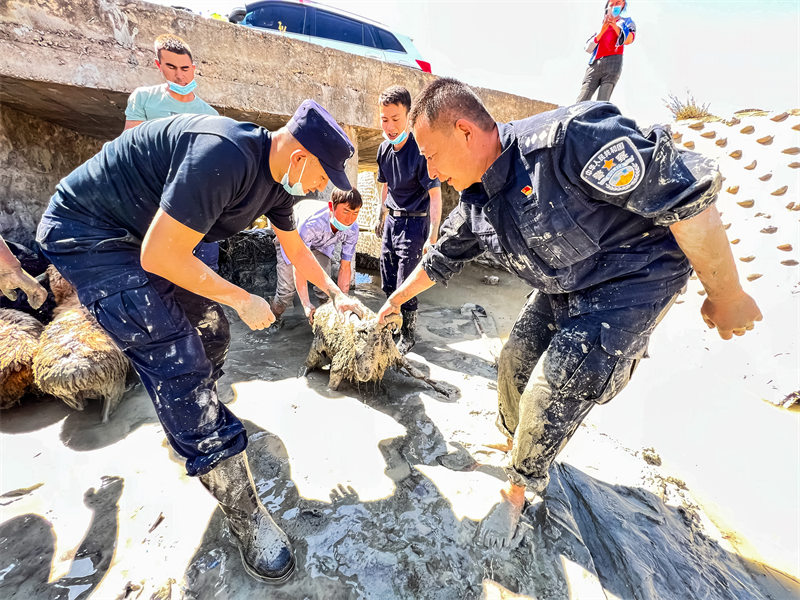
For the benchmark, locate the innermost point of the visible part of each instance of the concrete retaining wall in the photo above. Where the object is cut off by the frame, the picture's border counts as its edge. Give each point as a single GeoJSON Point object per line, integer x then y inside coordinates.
{"type": "Point", "coordinates": [34, 155]}
{"type": "Point", "coordinates": [70, 66]}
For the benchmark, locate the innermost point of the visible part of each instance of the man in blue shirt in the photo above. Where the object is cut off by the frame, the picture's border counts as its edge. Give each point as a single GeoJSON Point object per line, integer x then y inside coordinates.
{"type": "Point", "coordinates": [412, 203]}
{"type": "Point", "coordinates": [121, 228]}
{"type": "Point", "coordinates": [321, 232]}
{"type": "Point", "coordinates": [606, 222]}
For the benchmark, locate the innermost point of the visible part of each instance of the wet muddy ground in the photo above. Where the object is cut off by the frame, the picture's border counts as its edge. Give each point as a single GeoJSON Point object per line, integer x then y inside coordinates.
{"type": "Point", "coordinates": [382, 488]}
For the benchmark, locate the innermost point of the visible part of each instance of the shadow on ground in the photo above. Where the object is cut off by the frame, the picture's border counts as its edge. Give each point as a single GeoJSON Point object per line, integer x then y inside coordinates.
{"type": "Point", "coordinates": [27, 545]}
{"type": "Point", "coordinates": [412, 545]}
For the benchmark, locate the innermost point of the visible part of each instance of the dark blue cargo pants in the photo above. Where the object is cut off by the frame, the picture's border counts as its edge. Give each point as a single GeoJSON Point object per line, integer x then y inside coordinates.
{"type": "Point", "coordinates": [177, 341]}
{"type": "Point", "coordinates": [401, 251]}
{"type": "Point", "coordinates": [555, 367]}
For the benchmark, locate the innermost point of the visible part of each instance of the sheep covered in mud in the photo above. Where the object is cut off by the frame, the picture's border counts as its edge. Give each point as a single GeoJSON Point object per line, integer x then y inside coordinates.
{"type": "Point", "coordinates": [76, 359]}
{"type": "Point", "coordinates": [358, 350]}
{"type": "Point", "coordinates": [19, 339]}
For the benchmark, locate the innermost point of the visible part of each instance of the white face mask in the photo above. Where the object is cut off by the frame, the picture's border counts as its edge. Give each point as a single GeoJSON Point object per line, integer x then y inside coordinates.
{"type": "Point", "coordinates": [297, 188]}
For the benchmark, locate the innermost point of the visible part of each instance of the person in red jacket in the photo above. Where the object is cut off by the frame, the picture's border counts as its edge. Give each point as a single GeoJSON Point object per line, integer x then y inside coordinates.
{"type": "Point", "coordinates": [605, 66]}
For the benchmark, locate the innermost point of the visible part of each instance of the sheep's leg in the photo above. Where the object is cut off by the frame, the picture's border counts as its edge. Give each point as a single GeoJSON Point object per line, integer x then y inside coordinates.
{"type": "Point", "coordinates": [314, 360]}
{"type": "Point", "coordinates": [112, 399]}
{"type": "Point", "coordinates": [338, 369]}
{"type": "Point", "coordinates": [335, 379]}
{"type": "Point", "coordinates": [416, 373]}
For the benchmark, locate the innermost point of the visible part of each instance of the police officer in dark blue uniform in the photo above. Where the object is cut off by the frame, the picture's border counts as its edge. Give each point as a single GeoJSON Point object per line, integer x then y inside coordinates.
{"type": "Point", "coordinates": [412, 204]}
{"type": "Point", "coordinates": [121, 228]}
{"type": "Point", "coordinates": [606, 222]}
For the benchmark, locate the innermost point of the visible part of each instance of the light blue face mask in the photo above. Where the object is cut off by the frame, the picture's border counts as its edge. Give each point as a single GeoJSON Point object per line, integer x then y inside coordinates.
{"type": "Point", "coordinates": [398, 140]}
{"type": "Point", "coordinates": [297, 188]}
{"type": "Point", "coordinates": [183, 90]}
{"type": "Point", "coordinates": [339, 225]}
{"type": "Point", "coordinates": [616, 11]}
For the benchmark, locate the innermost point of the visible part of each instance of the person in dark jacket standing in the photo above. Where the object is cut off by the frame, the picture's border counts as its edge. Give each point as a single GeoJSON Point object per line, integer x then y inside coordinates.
{"type": "Point", "coordinates": [605, 66]}
{"type": "Point", "coordinates": [606, 222]}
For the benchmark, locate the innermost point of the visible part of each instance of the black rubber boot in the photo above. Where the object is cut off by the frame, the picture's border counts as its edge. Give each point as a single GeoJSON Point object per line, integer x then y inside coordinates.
{"type": "Point", "coordinates": [266, 551]}
{"type": "Point", "coordinates": [407, 339]}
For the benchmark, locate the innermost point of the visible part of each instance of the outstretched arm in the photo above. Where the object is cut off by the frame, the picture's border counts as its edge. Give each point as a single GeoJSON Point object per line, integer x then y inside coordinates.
{"type": "Point", "coordinates": [727, 307]}
{"type": "Point", "coordinates": [345, 272]}
{"type": "Point", "coordinates": [14, 277]}
{"type": "Point", "coordinates": [435, 215]}
{"type": "Point", "coordinates": [415, 284]}
{"type": "Point", "coordinates": [167, 252]}
{"type": "Point", "coordinates": [301, 285]}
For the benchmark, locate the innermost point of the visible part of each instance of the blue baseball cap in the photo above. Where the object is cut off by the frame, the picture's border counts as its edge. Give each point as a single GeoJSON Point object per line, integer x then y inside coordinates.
{"type": "Point", "coordinates": [320, 134]}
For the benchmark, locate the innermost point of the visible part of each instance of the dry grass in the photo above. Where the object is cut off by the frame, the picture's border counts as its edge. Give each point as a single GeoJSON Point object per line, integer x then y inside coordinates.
{"type": "Point", "coordinates": [687, 109]}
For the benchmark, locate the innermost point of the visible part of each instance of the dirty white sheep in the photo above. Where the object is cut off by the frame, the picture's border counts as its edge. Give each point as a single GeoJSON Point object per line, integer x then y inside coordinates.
{"type": "Point", "coordinates": [358, 350]}
{"type": "Point", "coordinates": [76, 359]}
{"type": "Point", "coordinates": [19, 338]}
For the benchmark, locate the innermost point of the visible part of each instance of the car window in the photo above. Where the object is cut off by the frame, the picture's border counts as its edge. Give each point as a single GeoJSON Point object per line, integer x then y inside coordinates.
{"type": "Point", "coordinates": [342, 29]}
{"type": "Point", "coordinates": [369, 38]}
{"type": "Point", "coordinates": [284, 17]}
{"type": "Point", "coordinates": [388, 41]}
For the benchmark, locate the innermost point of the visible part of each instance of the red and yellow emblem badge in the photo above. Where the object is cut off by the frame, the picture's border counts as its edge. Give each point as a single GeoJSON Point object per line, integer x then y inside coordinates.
{"type": "Point", "coordinates": [527, 190]}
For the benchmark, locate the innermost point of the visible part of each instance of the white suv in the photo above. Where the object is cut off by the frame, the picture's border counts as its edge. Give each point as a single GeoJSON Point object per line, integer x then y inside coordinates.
{"type": "Point", "coordinates": [319, 24]}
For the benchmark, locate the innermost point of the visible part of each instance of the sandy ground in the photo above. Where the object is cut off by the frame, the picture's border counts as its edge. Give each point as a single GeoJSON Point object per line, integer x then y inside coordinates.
{"type": "Point", "coordinates": [687, 485]}
{"type": "Point", "coordinates": [114, 515]}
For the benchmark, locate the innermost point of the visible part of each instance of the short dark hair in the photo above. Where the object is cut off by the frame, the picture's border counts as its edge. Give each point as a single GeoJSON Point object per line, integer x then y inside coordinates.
{"type": "Point", "coordinates": [352, 198]}
{"type": "Point", "coordinates": [445, 101]}
{"type": "Point", "coordinates": [171, 43]}
{"type": "Point", "coordinates": [395, 94]}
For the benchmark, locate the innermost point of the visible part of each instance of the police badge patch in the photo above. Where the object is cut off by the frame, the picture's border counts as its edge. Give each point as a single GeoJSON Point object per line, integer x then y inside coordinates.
{"type": "Point", "coordinates": [617, 168]}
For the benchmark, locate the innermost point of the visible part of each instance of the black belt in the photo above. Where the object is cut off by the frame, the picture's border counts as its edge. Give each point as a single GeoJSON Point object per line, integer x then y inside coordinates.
{"type": "Point", "coordinates": [405, 213]}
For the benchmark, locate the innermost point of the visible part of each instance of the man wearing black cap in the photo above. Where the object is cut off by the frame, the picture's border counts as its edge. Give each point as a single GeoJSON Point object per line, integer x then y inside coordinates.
{"type": "Point", "coordinates": [121, 228]}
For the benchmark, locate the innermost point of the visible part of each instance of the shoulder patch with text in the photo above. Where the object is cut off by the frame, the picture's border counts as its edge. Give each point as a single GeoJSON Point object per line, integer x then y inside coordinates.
{"type": "Point", "coordinates": [617, 168]}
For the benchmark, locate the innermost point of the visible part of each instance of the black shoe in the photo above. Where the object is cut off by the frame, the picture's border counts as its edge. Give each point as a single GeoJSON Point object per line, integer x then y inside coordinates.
{"type": "Point", "coordinates": [266, 551]}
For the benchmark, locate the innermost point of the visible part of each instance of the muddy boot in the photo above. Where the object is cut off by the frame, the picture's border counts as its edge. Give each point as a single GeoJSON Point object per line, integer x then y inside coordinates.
{"type": "Point", "coordinates": [266, 552]}
{"type": "Point", "coordinates": [407, 339]}
{"type": "Point", "coordinates": [277, 308]}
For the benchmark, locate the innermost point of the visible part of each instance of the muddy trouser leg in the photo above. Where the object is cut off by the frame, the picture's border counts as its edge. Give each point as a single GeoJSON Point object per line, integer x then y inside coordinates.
{"type": "Point", "coordinates": [529, 338]}
{"type": "Point", "coordinates": [610, 71]}
{"type": "Point", "coordinates": [409, 235]}
{"type": "Point", "coordinates": [153, 331]}
{"type": "Point", "coordinates": [285, 288]}
{"type": "Point", "coordinates": [588, 361]}
{"type": "Point", "coordinates": [211, 324]}
{"type": "Point", "coordinates": [389, 259]}
{"type": "Point", "coordinates": [139, 312]}
{"type": "Point", "coordinates": [325, 263]}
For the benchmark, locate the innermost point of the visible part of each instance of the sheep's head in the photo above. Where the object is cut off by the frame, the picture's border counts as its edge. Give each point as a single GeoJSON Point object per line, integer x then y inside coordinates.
{"type": "Point", "coordinates": [375, 350]}
{"type": "Point", "coordinates": [63, 292]}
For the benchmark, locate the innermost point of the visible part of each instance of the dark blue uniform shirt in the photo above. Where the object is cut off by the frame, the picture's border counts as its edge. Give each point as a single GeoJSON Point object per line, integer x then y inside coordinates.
{"type": "Point", "coordinates": [210, 173]}
{"type": "Point", "coordinates": [406, 173]}
{"type": "Point", "coordinates": [579, 202]}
